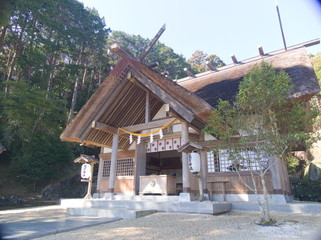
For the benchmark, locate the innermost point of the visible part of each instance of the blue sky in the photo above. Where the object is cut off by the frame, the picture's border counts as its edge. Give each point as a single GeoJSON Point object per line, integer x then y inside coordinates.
{"type": "Point", "coordinates": [216, 27]}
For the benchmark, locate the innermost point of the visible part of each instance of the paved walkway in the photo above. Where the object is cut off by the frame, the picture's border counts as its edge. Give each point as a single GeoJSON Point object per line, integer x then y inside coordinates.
{"type": "Point", "coordinates": [36, 222]}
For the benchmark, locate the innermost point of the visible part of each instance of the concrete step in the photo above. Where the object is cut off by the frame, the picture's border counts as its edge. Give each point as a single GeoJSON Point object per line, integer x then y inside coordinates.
{"type": "Point", "coordinates": [188, 207]}
{"type": "Point", "coordinates": [123, 213]}
{"type": "Point", "coordinates": [293, 207]}
{"type": "Point", "coordinates": [154, 198]}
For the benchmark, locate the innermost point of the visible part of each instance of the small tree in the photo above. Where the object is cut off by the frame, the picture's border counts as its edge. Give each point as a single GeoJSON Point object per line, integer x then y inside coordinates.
{"type": "Point", "coordinates": [260, 127]}
{"type": "Point", "coordinates": [199, 58]}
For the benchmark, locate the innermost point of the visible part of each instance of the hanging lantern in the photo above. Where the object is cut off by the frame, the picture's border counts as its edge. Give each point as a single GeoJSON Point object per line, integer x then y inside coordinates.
{"type": "Point", "coordinates": [161, 134]}
{"type": "Point", "coordinates": [151, 138]}
{"type": "Point", "coordinates": [130, 139]}
{"type": "Point", "coordinates": [138, 140]}
{"type": "Point", "coordinates": [85, 171]}
{"type": "Point", "coordinates": [194, 162]}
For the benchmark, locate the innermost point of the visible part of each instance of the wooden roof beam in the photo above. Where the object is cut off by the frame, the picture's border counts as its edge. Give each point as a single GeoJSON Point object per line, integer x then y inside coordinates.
{"type": "Point", "coordinates": [150, 125]}
{"type": "Point", "coordinates": [152, 43]}
{"type": "Point", "coordinates": [311, 43]}
{"type": "Point", "coordinates": [165, 97]}
{"type": "Point", "coordinates": [116, 48]}
{"type": "Point", "coordinates": [234, 59]}
{"type": "Point", "coordinates": [152, 64]}
{"type": "Point", "coordinates": [260, 48]}
{"type": "Point", "coordinates": [103, 106]}
{"type": "Point", "coordinates": [189, 73]}
{"type": "Point", "coordinates": [210, 66]}
{"type": "Point", "coordinates": [93, 144]}
{"type": "Point", "coordinates": [104, 127]}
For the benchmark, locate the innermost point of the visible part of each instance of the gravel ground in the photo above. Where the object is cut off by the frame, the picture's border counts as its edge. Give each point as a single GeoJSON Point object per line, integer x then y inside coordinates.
{"type": "Point", "coordinates": [233, 225]}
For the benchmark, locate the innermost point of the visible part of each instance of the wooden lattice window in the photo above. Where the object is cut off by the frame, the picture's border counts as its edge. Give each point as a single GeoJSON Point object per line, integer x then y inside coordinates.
{"type": "Point", "coordinates": [125, 167]}
{"type": "Point", "coordinates": [213, 163]}
{"type": "Point", "coordinates": [220, 160]}
{"type": "Point", "coordinates": [106, 168]}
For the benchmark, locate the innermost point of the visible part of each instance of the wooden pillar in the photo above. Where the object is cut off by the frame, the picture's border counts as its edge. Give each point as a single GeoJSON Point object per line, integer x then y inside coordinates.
{"type": "Point", "coordinates": [286, 187]}
{"type": "Point", "coordinates": [100, 175]}
{"type": "Point", "coordinates": [140, 165]}
{"type": "Point", "coordinates": [185, 170]}
{"type": "Point", "coordinates": [113, 164]}
{"type": "Point", "coordinates": [275, 175]}
{"type": "Point", "coordinates": [204, 170]}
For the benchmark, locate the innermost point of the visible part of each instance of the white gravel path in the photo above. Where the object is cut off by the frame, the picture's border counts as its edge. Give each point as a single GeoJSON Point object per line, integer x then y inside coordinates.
{"type": "Point", "coordinates": [233, 225]}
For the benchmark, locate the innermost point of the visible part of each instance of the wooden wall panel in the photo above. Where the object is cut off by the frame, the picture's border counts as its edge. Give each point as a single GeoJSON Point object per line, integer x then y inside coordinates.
{"type": "Point", "coordinates": [235, 186]}
{"type": "Point", "coordinates": [120, 155]}
{"type": "Point", "coordinates": [122, 185]}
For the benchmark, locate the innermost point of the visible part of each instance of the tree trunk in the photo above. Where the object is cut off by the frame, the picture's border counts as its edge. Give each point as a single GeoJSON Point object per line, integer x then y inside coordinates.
{"type": "Point", "coordinates": [266, 204]}
{"type": "Point", "coordinates": [83, 78]}
{"type": "Point", "coordinates": [2, 36]}
{"type": "Point", "coordinates": [52, 63]}
{"type": "Point", "coordinates": [14, 57]}
{"type": "Point", "coordinates": [74, 100]}
{"type": "Point", "coordinates": [76, 87]}
{"type": "Point", "coordinates": [90, 83]}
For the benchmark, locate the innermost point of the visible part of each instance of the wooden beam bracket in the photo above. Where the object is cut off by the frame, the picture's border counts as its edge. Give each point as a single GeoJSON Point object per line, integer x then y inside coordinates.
{"type": "Point", "coordinates": [104, 127]}
{"type": "Point", "coordinates": [165, 97]}
{"type": "Point", "coordinates": [150, 125]}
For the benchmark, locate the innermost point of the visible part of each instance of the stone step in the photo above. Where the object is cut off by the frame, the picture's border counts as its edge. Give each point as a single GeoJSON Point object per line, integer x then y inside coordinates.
{"type": "Point", "coordinates": [123, 213]}
{"type": "Point", "coordinates": [206, 207]}
{"type": "Point", "coordinates": [154, 198]}
{"type": "Point", "coordinates": [293, 207]}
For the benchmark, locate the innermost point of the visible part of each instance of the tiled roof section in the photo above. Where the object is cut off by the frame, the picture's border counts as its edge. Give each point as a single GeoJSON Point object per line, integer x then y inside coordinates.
{"type": "Point", "coordinates": [224, 83]}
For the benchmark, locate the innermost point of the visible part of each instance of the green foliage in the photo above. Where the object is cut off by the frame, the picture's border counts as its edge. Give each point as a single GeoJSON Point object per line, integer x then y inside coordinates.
{"type": "Point", "coordinates": [307, 191]}
{"type": "Point", "coordinates": [262, 111]}
{"type": "Point", "coordinates": [262, 89]}
{"type": "Point", "coordinates": [312, 172]}
{"type": "Point", "coordinates": [27, 109]}
{"type": "Point", "coordinates": [31, 122]}
{"type": "Point", "coordinates": [42, 160]}
{"type": "Point", "coordinates": [169, 61]}
{"type": "Point", "coordinates": [53, 46]}
{"type": "Point", "coordinates": [223, 120]}
{"type": "Point", "coordinates": [292, 163]}
{"type": "Point", "coordinates": [261, 125]}
{"type": "Point", "coordinates": [44, 49]}
{"type": "Point", "coordinates": [6, 6]}
{"type": "Point", "coordinates": [199, 59]}
{"type": "Point", "coordinates": [316, 61]}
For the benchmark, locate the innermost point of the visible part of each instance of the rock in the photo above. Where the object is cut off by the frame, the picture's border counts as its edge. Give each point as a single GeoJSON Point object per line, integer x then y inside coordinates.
{"type": "Point", "coordinates": [312, 172]}
{"type": "Point", "coordinates": [69, 188]}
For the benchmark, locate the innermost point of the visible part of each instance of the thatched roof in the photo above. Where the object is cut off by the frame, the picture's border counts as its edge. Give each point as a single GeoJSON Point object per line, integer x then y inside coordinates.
{"type": "Point", "coordinates": [120, 102]}
{"type": "Point", "coordinates": [223, 83]}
